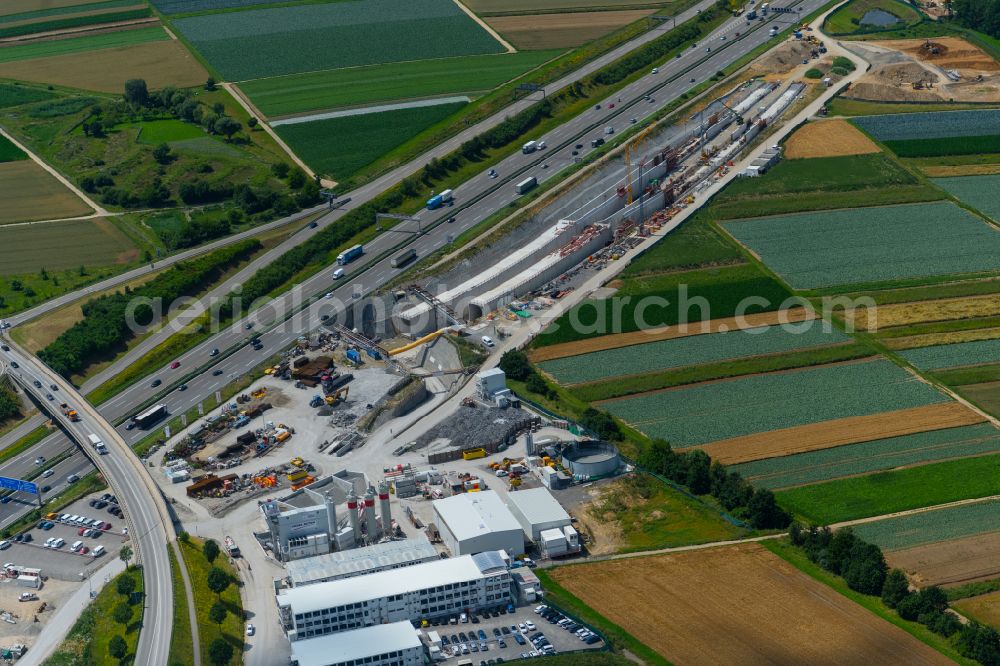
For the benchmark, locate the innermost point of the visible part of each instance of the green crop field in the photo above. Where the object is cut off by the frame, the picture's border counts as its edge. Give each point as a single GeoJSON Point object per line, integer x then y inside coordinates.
{"type": "Point", "coordinates": [62, 245]}
{"type": "Point", "coordinates": [693, 350]}
{"type": "Point", "coordinates": [980, 192]}
{"type": "Point", "coordinates": [949, 356]}
{"type": "Point", "coordinates": [961, 145]}
{"type": "Point", "coordinates": [109, 40]}
{"type": "Point", "coordinates": [13, 94]}
{"type": "Point", "coordinates": [847, 19]}
{"type": "Point", "coordinates": [932, 526]}
{"type": "Point", "coordinates": [900, 490]}
{"type": "Point", "coordinates": [830, 174]}
{"type": "Point", "coordinates": [85, 6]}
{"type": "Point", "coordinates": [874, 456]}
{"type": "Point", "coordinates": [695, 244]}
{"type": "Point", "coordinates": [259, 43]}
{"type": "Point", "coordinates": [341, 146]}
{"type": "Point", "coordinates": [357, 86]}
{"type": "Point", "coordinates": [29, 193]}
{"type": "Point", "coordinates": [930, 125]}
{"type": "Point", "coordinates": [155, 132]}
{"type": "Point", "coordinates": [9, 152]}
{"type": "Point", "coordinates": [854, 246]}
{"type": "Point", "coordinates": [723, 289]}
{"type": "Point", "coordinates": [708, 412]}
{"type": "Point", "coordinates": [72, 21]}
{"type": "Point", "coordinates": [533, 6]}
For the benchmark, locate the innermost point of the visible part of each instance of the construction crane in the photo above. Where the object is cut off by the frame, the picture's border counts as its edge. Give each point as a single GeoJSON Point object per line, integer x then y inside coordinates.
{"type": "Point", "coordinates": [628, 160]}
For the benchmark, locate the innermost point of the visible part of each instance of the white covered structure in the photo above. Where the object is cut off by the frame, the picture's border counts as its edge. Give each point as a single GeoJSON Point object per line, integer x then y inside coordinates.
{"type": "Point", "coordinates": [361, 561]}
{"type": "Point", "coordinates": [536, 510]}
{"type": "Point", "coordinates": [432, 589]}
{"type": "Point", "coordinates": [478, 522]}
{"type": "Point", "coordinates": [396, 644]}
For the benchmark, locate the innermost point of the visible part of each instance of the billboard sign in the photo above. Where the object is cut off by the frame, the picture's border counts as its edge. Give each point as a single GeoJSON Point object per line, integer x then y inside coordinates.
{"type": "Point", "coordinates": [17, 484]}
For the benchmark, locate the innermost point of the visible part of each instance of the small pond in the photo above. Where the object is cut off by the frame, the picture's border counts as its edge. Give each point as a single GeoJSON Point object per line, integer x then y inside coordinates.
{"type": "Point", "coordinates": [880, 18]}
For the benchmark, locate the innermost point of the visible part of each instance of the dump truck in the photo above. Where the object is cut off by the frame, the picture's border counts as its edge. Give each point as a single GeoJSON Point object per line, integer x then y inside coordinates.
{"type": "Point", "coordinates": [69, 411]}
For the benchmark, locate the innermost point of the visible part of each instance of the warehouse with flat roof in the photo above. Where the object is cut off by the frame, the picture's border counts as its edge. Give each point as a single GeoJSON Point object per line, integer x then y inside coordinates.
{"type": "Point", "coordinates": [536, 510]}
{"type": "Point", "coordinates": [396, 644]}
{"type": "Point", "coordinates": [428, 590]}
{"type": "Point", "coordinates": [478, 522]}
{"type": "Point", "coordinates": [361, 561]}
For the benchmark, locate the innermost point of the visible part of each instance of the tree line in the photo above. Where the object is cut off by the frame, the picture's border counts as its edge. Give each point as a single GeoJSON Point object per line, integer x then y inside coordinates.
{"type": "Point", "coordinates": [981, 15]}
{"type": "Point", "coordinates": [10, 406]}
{"type": "Point", "coordinates": [863, 567]}
{"type": "Point", "coordinates": [104, 328]}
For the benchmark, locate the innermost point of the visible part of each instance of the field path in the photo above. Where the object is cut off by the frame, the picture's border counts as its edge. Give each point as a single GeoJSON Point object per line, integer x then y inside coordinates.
{"type": "Point", "coordinates": [98, 210]}
{"type": "Point", "coordinates": [485, 26]}
{"type": "Point", "coordinates": [910, 512]}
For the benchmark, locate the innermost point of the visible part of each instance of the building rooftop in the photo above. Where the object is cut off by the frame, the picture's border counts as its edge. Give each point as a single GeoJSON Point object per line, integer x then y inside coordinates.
{"type": "Point", "coordinates": [355, 644]}
{"type": "Point", "coordinates": [359, 560]}
{"type": "Point", "coordinates": [471, 515]}
{"type": "Point", "coordinates": [538, 506]}
{"type": "Point", "coordinates": [356, 589]}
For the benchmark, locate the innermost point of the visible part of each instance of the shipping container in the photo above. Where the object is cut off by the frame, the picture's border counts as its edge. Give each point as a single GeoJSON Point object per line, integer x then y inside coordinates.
{"type": "Point", "coordinates": [403, 258]}
{"type": "Point", "coordinates": [526, 185]}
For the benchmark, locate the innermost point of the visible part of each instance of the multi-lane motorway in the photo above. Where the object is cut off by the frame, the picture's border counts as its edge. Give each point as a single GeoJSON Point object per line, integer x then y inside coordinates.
{"type": "Point", "coordinates": [150, 527]}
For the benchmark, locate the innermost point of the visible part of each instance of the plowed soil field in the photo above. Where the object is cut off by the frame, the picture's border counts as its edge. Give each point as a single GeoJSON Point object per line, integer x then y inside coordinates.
{"type": "Point", "coordinates": [827, 434]}
{"type": "Point", "coordinates": [738, 605]}
{"type": "Point", "coordinates": [951, 562]}
{"type": "Point", "coordinates": [828, 138]}
{"type": "Point", "coordinates": [669, 333]}
{"type": "Point", "coordinates": [565, 30]}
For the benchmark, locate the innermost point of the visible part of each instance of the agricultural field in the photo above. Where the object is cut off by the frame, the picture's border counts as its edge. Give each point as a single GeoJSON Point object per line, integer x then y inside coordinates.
{"type": "Point", "coordinates": [40, 9]}
{"type": "Point", "coordinates": [719, 410]}
{"type": "Point", "coordinates": [900, 490]}
{"type": "Point", "coordinates": [9, 152]}
{"type": "Point", "coordinates": [192, 6]}
{"type": "Point", "coordinates": [935, 125]}
{"type": "Point", "coordinates": [873, 456]}
{"type": "Point", "coordinates": [981, 307]}
{"type": "Point", "coordinates": [691, 350]}
{"type": "Point", "coordinates": [488, 7]}
{"type": "Point", "coordinates": [340, 146]}
{"type": "Point", "coordinates": [860, 246]}
{"type": "Point", "coordinates": [64, 245]}
{"type": "Point", "coordinates": [984, 608]}
{"type": "Point", "coordinates": [828, 138]}
{"type": "Point", "coordinates": [935, 526]}
{"type": "Point", "coordinates": [951, 563]}
{"type": "Point", "coordinates": [725, 289]}
{"type": "Point", "coordinates": [980, 192]}
{"type": "Point", "coordinates": [949, 356]}
{"type": "Point", "coordinates": [851, 18]}
{"type": "Point", "coordinates": [371, 84]}
{"type": "Point", "coordinates": [564, 30]}
{"type": "Point", "coordinates": [37, 6]}
{"type": "Point", "coordinates": [696, 244]}
{"type": "Point", "coordinates": [29, 193]}
{"type": "Point", "coordinates": [107, 19]}
{"type": "Point", "coordinates": [16, 94]}
{"type": "Point", "coordinates": [254, 43]}
{"type": "Point", "coordinates": [691, 614]}
{"type": "Point", "coordinates": [104, 62]}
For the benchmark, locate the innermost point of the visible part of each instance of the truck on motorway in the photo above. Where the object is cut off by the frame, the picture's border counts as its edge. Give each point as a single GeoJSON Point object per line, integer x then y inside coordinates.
{"type": "Point", "coordinates": [96, 442]}
{"type": "Point", "coordinates": [150, 416]}
{"type": "Point", "coordinates": [69, 411]}
{"type": "Point", "coordinates": [403, 258]}
{"type": "Point", "coordinates": [526, 184]}
{"type": "Point", "coordinates": [529, 147]}
{"type": "Point", "coordinates": [349, 255]}
{"type": "Point", "coordinates": [438, 200]}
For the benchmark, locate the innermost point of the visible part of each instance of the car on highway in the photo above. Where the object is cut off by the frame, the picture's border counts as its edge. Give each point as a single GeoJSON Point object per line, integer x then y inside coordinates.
{"type": "Point", "coordinates": [175, 365]}
{"type": "Point", "coordinates": [5, 499]}
{"type": "Point", "coordinates": [49, 396]}
{"type": "Point", "coordinates": [692, 79]}
{"type": "Point", "coordinates": [14, 364]}
{"type": "Point", "coordinates": [38, 384]}
{"type": "Point", "coordinates": [656, 70]}
{"type": "Point", "coordinates": [313, 225]}
{"type": "Point", "coordinates": [251, 630]}
{"type": "Point", "coordinates": [156, 382]}
{"type": "Point", "coordinates": [492, 173]}
{"type": "Point", "coordinates": [215, 352]}
{"type": "Point", "coordinates": [40, 460]}
{"type": "Point", "coordinates": [130, 426]}
{"type": "Point", "coordinates": [450, 220]}
{"type": "Point", "coordinates": [72, 478]}
{"type": "Point", "coordinates": [182, 387]}
{"type": "Point", "coordinates": [5, 347]}
{"type": "Point", "coordinates": [248, 325]}
{"type": "Point", "coordinates": [633, 120]}
{"type": "Point", "coordinates": [216, 373]}
{"type": "Point", "coordinates": [47, 473]}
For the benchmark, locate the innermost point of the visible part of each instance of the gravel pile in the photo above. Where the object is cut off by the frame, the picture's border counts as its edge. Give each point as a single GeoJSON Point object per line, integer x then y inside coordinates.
{"type": "Point", "coordinates": [470, 427]}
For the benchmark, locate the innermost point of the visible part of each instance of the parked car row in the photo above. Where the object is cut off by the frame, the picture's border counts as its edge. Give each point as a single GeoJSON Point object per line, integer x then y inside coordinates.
{"type": "Point", "coordinates": [560, 620]}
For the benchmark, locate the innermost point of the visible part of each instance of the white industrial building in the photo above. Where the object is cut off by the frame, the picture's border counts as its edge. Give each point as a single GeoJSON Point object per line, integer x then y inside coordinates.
{"type": "Point", "coordinates": [428, 590]}
{"type": "Point", "coordinates": [361, 561]}
{"type": "Point", "coordinates": [396, 644]}
{"type": "Point", "coordinates": [478, 522]}
{"type": "Point", "coordinates": [537, 510]}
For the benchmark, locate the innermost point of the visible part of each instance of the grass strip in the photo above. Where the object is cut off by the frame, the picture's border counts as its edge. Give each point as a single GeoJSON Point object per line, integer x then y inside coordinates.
{"type": "Point", "coordinates": [73, 22]}
{"type": "Point", "coordinates": [559, 597]}
{"type": "Point", "coordinates": [899, 490]}
{"type": "Point", "coordinates": [972, 589]}
{"type": "Point", "coordinates": [25, 443]}
{"type": "Point", "coordinates": [795, 557]}
{"type": "Point", "coordinates": [181, 645]}
{"type": "Point", "coordinates": [231, 630]}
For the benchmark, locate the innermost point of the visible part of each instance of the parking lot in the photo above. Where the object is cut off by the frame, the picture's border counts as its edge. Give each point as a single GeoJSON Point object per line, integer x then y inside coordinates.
{"type": "Point", "coordinates": [62, 563]}
{"type": "Point", "coordinates": [509, 627]}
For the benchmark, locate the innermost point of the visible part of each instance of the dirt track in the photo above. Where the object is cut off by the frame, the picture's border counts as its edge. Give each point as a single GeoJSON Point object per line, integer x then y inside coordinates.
{"type": "Point", "coordinates": [669, 333]}
{"type": "Point", "coordinates": [828, 138]}
{"type": "Point", "coordinates": [738, 605]}
{"type": "Point", "coordinates": [951, 562]}
{"type": "Point", "coordinates": [828, 434]}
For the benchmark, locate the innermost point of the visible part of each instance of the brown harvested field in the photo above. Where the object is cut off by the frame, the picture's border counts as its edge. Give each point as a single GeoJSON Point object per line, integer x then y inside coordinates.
{"type": "Point", "coordinates": [915, 341]}
{"type": "Point", "coordinates": [986, 395]}
{"type": "Point", "coordinates": [34, 5]}
{"type": "Point", "coordinates": [669, 333]}
{"type": "Point", "coordinates": [525, 6]}
{"type": "Point", "coordinates": [738, 605]}
{"type": "Point", "coordinates": [828, 138]}
{"type": "Point", "coordinates": [950, 562]}
{"type": "Point", "coordinates": [29, 192]}
{"type": "Point", "coordinates": [984, 608]}
{"type": "Point", "coordinates": [962, 170]}
{"type": "Point", "coordinates": [942, 309]}
{"type": "Point", "coordinates": [63, 245]}
{"type": "Point", "coordinates": [93, 12]}
{"type": "Point", "coordinates": [840, 432]}
{"type": "Point", "coordinates": [161, 64]}
{"type": "Point", "coordinates": [531, 32]}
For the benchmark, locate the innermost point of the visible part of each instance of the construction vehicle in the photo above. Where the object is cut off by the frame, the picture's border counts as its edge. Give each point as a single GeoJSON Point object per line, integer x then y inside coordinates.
{"type": "Point", "coordinates": [259, 393]}
{"type": "Point", "coordinates": [316, 401]}
{"type": "Point", "coordinates": [69, 412]}
{"type": "Point", "coordinates": [339, 396]}
{"type": "Point", "coordinates": [298, 462]}
{"type": "Point", "coordinates": [515, 481]}
{"type": "Point", "coordinates": [231, 547]}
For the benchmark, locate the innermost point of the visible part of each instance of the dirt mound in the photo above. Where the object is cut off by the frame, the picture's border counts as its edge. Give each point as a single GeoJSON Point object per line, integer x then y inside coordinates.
{"type": "Point", "coordinates": [945, 52]}
{"type": "Point", "coordinates": [784, 58]}
{"type": "Point", "coordinates": [902, 82]}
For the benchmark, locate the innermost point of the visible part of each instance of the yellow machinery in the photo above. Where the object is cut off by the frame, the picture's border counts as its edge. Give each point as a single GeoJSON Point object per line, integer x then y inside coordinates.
{"type": "Point", "coordinates": [426, 338]}
{"type": "Point", "coordinates": [472, 454]}
{"type": "Point", "coordinates": [628, 160]}
{"type": "Point", "coordinates": [341, 394]}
